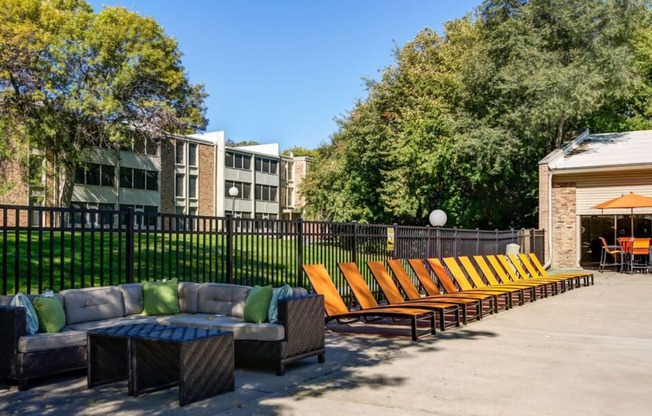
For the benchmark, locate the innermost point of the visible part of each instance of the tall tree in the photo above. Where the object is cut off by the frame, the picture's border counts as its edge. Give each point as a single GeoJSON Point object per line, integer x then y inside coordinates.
{"type": "Point", "coordinates": [73, 78]}
{"type": "Point", "coordinates": [460, 121]}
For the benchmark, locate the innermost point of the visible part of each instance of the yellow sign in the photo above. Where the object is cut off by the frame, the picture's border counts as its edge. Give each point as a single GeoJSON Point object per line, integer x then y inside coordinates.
{"type": "Point", "coordinates": [390, 239]}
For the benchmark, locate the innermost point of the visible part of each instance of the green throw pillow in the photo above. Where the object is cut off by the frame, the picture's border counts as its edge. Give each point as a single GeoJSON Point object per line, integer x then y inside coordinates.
{"type": "Point", "coordinates": [257, 304]}
{"type": "Point", "coordinates": [51, 317]}
{"type": "Point", "coordinates": [161, 298]}
{"type": "Point", "coordinates": [281, 293]}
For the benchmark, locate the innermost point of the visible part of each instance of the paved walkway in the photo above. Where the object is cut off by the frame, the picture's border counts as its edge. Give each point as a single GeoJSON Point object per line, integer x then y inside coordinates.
{"type": "Point", "coordinates": [585, 352]}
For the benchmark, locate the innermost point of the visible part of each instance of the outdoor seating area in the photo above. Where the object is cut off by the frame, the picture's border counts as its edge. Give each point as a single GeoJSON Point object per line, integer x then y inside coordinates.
{"type": "Point", "coordinates": [628, 256]}
{"type": "Point", "coordinates": [457, 290]}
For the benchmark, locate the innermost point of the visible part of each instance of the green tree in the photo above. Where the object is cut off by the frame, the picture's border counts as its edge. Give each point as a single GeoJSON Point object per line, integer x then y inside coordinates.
{"type": "Point", "coordinates": [461, 120]}
{"type": "Point", "coordinates": [299, 151]}
{"type": "Point", "coordinates": [72, 78]}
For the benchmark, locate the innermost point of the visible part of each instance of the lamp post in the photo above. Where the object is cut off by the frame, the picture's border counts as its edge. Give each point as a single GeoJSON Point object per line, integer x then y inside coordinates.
{"type": "Point", "coordinates": [233, 192]}
{"type": "Point", "coordinates": [437, 219]}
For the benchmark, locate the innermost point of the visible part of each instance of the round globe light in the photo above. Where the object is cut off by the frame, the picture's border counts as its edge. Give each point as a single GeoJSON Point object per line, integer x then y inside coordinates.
{"type": "Point", "coordinates": [437, 218]}
{"type": "Point", "coordinates": [233, 191]}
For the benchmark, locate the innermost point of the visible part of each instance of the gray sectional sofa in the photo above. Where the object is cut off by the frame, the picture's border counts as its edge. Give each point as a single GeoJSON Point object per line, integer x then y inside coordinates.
{"type": "Point", "coordinates": [298, 334]}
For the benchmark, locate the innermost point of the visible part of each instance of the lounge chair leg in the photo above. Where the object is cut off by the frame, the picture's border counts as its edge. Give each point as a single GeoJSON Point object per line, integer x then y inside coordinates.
{"type": "Point", "coordinates": [413, 324]}
{"type": "Point", "coordinates": [433, 325]}
{"type": "Point", "coordinates": [442, 320]}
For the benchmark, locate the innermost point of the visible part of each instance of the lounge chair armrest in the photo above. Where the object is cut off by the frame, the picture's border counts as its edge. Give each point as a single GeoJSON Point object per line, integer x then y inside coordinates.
{"type": "Point", "coordinates": [13, 321]}
{"type": "Point", "coordinates": [303, 319]}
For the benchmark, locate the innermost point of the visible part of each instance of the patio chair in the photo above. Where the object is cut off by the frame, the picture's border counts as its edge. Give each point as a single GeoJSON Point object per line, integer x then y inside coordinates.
{"type": "Point", "coordinates": [470, 307]}
{"type": "Point", "coordinates": [465, 287]}
{"type": "Point", "coordinates": [527, 288]}
{"type": "Point", "coordinates": [540, 288]}
{"type": "Point", "coordinates": [514, 289]}
{"type": "Point", "coordinates": [366, 299]}
{"type": "Point", "coordinates": [615, 251]}
{"type": "Point", "coordinates": [587, 277]}
{"type": "Point", "coordinates": [337, 310]}
{"type": "Point", "coordinates": [572, 279]}
{"type": "Point", "coordinates": [429, 285]}
{"type": "Point", "coordinates": [551, 287]}
{"type": "Point", "coordinates": [503, 294]}
{"type": "Point", "coordinates": [561, 282]}
{"type": "Point", "coordinates": [640, 248]}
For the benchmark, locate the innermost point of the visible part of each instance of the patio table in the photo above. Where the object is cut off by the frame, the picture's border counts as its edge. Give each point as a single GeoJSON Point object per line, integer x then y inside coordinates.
{"type": "Point", "coordinates": [153, 356]}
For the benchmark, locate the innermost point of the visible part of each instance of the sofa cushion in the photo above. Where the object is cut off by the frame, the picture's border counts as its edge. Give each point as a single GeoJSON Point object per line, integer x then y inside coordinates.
{"type": "Point", "coordinates": [30, 313]}
{"type": "Point", "coordinates": [280, 293]}
{"type": "Point", "coordinates": [93, 304]}
{"type": "Point", "coordinates": [222, 298]}
{"type": "Point", "coordinates": [241, 330]}
{"type": "Point", "coordinates": [161, 298]}
{"type": "Point", "coordinates": [51, 317]}
{"type": "Point", "coordinates": [188, 300]}
{"type": "Point", "coordinates": [45, 342]}
{"type": "Point", "coordinates": [132, 294]}
{"type": "Point", "coordinates": [299, 291]}
{"type": "Point", "coordinates": [257, 304]}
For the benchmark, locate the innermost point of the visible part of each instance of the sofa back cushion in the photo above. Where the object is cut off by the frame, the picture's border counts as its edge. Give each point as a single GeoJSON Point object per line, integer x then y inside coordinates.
{"type": "Point", "coordinates": [188, 297]}
{"type": "Point", "coordinates": [132, 294]}
{"type": "Point", "coordinates": [93, 304]}
{"type": "Point", "coordinates": [222, 299]}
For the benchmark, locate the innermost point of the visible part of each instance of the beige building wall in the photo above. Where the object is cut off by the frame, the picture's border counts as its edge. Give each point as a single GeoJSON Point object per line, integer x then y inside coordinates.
{"type": "Point", "coordinates": [206, 180]}
{"type": "Point", "coordinates": [564, 225]}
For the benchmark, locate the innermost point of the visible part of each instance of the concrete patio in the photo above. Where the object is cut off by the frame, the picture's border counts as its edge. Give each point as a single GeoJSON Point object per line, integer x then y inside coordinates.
{"type": "Point", "coordinates": [585, 352]}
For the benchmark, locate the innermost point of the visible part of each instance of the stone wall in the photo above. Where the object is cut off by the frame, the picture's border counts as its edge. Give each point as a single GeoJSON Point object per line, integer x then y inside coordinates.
{"type": "Point", "coordinates": [206, 180]}
{"type": "Point", "coordinates": [167, 176]}
{"type": "Point", "coordinates": [564, 225]}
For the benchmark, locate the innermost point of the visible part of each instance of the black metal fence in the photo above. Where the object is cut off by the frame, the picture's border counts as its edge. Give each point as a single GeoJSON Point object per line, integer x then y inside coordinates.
{"type": "Point", "coordinates": [59, 248]}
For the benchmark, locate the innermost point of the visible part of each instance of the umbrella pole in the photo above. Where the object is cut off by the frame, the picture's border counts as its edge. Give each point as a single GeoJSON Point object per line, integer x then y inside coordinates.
{"type": "Point", "coordinates": [632, 219]}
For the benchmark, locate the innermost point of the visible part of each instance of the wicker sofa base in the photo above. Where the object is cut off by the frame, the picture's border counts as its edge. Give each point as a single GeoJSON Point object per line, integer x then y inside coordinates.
{"type": "Point", "coordinates": [269, 354]}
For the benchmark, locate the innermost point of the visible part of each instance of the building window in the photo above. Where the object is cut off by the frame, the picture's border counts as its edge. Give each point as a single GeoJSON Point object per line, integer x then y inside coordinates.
{"type": "Point", "coordinates": [266, 193]}
{"type": "Point", "coordinates": [80, 174]}
{"type": "Point", "coordinates": [126, 177]}
{"type": "Point", "coordinates": [238, 161]}
{"type": "Point", "coordinates": [152, 180]}
{"type": "Point", "coordinates": [180, 150]}
{"type": "Point", "coordinates": [108, 175]}
{"type": "Point", "coordinates": [192, 186]}
{"type": "Point", "coordinates": [139, 179]}
{"type": "Point", "coordinates": [265, 165]}
{"type": "Point", "coordinates": [192, 154]}
{"type": "Point", "coordinates": [180, 179]}
{"type": "Point", "coordinates": [244, 189]}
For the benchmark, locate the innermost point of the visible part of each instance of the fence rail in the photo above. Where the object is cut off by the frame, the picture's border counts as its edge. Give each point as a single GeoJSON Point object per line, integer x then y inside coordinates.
{"type": "Point", "coordinates": [60, 248]}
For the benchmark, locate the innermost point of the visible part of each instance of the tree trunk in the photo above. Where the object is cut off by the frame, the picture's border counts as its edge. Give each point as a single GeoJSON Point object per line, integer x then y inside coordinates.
{"type": "Point", "coordinates": [560, 132]}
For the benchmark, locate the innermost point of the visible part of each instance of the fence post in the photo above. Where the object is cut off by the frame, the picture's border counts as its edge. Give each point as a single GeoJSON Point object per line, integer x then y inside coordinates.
{"type": "Point", "coordinates": [477, 241]}
{"type": "Point", "coordinates": [299, 252]}
{"type": "Point", "coordinates": [455, 242]}
{"type": "Point", "coordinates": [496, 242]}
{"type": "Point", "coordinates": [354, 246]}
{"type": "Point", "coordinates": [438, 242]}
{"type": "Point", "coordinates": [229, 248]}
{"type": "Point", "coordinates": [427, 241]}
{"type": "Point", "coordinates": [129, 246]}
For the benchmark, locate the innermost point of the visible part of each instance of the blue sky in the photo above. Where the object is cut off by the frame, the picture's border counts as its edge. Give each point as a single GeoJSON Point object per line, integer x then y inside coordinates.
{"type": "Point", "coordinates": [283, 70]}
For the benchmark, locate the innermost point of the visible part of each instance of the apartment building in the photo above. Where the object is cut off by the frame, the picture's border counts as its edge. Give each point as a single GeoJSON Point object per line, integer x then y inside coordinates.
{"type": "Point", "coordinates": [189, 175]}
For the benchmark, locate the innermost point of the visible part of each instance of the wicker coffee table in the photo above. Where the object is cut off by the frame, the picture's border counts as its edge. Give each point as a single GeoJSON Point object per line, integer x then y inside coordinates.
{"type": "Point", "coordinates": [154, 356]}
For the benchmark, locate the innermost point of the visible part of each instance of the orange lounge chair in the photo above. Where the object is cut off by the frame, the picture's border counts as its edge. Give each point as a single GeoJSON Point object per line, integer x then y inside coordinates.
{"type": "Point", "coordinates": [464, 284]}
{"type": "Point", "coordinates": [587, 277]}
{"type": "Point", "coordinates": [541, 288]}
{"type": "Point", "coordinates": [336, 308]}
{"type": "Point", "coordinates": [449, 284]}
{"type": "Point", "coordinates": [472, 273]}
{"type": "Point", "coordinates": [394, 297]}
{"type": "Point", "coordinates": [570, 281]}
{"type": "Point", "coordinates": [487, 302]}
{"type": "Point", "coordinates": [471, 306]}
{"type": "Point", "coordinates": [366, 299]}
{"type": "Point", "coordinates": [529, 288]}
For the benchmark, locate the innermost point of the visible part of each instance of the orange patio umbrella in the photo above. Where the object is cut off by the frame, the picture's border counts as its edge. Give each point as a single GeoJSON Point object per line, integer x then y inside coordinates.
{"type": "Point", "coordinates": [628, 201]}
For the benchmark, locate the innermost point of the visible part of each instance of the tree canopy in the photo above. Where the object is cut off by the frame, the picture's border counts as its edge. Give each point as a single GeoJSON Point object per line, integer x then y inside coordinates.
{"type": "Point", "coordinates": [461, 119]}
{"type": "Point", "coordinates": [71, 78]}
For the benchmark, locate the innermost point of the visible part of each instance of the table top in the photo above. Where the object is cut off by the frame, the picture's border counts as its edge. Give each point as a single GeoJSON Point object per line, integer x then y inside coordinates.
{"type": "Point", "coordinates": [157, 332]}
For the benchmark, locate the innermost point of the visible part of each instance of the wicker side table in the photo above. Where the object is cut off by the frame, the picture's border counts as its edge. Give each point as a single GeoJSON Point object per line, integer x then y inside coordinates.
{"type": "Point", "coordinates": [153, 357]}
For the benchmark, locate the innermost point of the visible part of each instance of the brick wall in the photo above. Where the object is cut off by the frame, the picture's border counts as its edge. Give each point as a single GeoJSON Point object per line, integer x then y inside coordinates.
{"type": "Point", "coordinates": [564, 225]}
{"type": "Point", "coordinates": [543, 205]}
{"type": "Point", "coordinates": [206, 180]}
